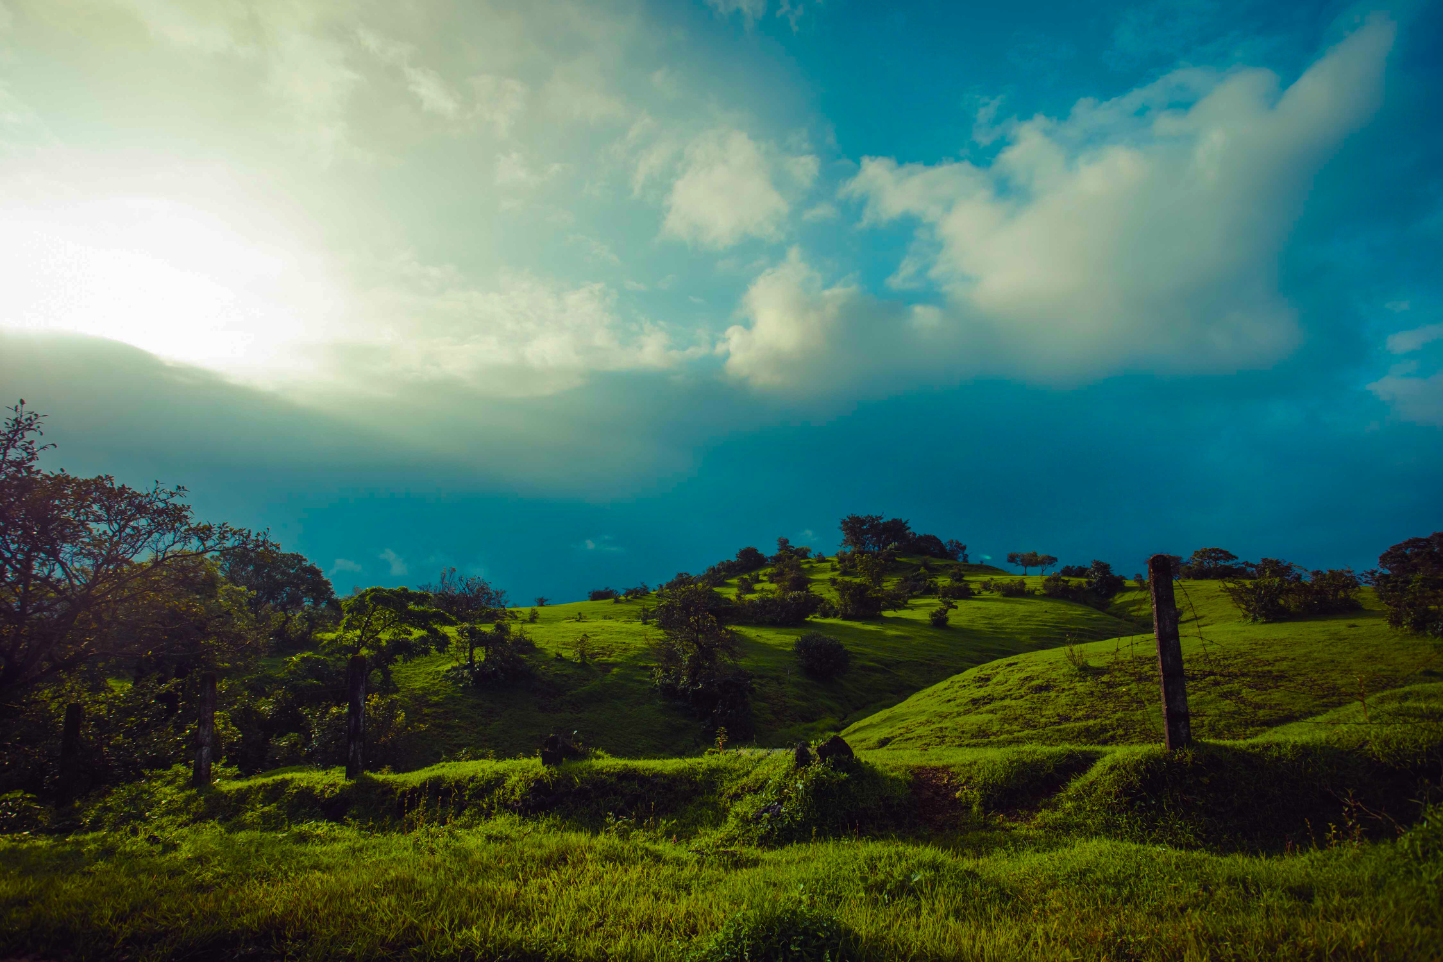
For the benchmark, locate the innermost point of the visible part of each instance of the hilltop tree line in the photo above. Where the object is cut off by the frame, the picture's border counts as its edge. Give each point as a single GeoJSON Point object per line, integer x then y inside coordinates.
{"type": "Point", "coordinates": [119, 599]}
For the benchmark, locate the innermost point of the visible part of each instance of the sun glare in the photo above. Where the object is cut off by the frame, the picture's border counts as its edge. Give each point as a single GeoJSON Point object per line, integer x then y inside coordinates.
{"type": "Point", "coordinates": [169, 278]}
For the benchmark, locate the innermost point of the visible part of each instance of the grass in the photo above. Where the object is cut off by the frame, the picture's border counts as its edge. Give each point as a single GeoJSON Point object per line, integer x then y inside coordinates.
{"type": "Point", "coordinates": [1243, 679]}
{"type": "Point", "coordinates": [611, 702]}
{"type": "Point", "coordinates": [1008, 801]}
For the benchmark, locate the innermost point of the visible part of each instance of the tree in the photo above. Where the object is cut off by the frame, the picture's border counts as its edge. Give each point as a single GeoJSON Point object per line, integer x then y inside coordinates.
{"type": "Point", "coordinates": [956, 550]}
{"type": "Point", "coordinates": [389, 625]}
{"type": "Point", "coordinates": [283, 585]}
{"type": "Point", "coordinates": [78, 556]}
{"type": "Point", "coordinates": [1102, 582]}
{"type": "Point", "coordinates": [1030, 559]}
{"type": "Point", "coordinates": [1212, 564]}
{"type": "Point", "coordinates": [821, 656]}
{"type": "Point", "coordinates": [862, 532]}
{"type": "Point", "coordinates": [696, 659]}
{"type": "Point", "coordinates": [1410, 584]}
{"type": "Point", "coordinates": [749, 559]}
{"type": "Point", "coordinates": [542, 601]}
{"type": "Point", "coordinates": [468, 599]}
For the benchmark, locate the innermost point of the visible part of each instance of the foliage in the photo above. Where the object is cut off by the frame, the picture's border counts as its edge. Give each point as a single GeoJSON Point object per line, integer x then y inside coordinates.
{"type": "Point", "coordinates": [1410, 584]}
{"type": "Point", "coordinates": [821, 656]}
{"type": "Point", "coordinates": [939, 615]}
{"type": "Point", "coordinates": [1101, 582]}
{"type": "Point", "coordinates": [88, 566]}
{"type": "Point", "coordinates": [856, 600]}
{"type": "Point", "coordinates": [955, 591]}
{"type": "Point", "coordinates": [1214, 564]}
{"type": "Point", "coordinates": [1007, 589]}
{"type": "Point", "coordinates": [1072, 571]}
{"type": "Point", "coordinates": [389, 625]}
{"type": "Point", "coordinates": [695, 661]}
{"type": "Point", "coordinates": [781, 608]}
{"type": "Point", "coordinates": [285, 589]}
{"type": "Point", "coordinates": [601, 594]}
{"type": "Point", "coordinates": [1279, 591]}
{"type": "Point", "coordinates": [1030, 559]}
{"type": "Point", "coordinates": [501, 647]}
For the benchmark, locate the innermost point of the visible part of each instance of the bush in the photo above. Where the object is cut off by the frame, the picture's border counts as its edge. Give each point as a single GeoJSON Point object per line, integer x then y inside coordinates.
{"type": "Point", "coordinates": [781, 608]}
{"type": "Point", "coordinates": [1057, 586]}
{"type": "Point", "coordinates": [821, 656]}
{"type": "Point", "coordinates": [857, 600]}
{"type": "Point", "coordinates": [1280, 592]}
{"type": "Point", "coordinates": [917, 583]}
{"type": "Point", "coordinates": [1073, 571]}
{"type": "Point", "coordinates": [601, 594]}
{"type": "Point", "coordinates": [938, 616]}
{"type": "Point", "coordinates": [1007, 589]}
{"type": "Point", "coordinates": [955, 591]}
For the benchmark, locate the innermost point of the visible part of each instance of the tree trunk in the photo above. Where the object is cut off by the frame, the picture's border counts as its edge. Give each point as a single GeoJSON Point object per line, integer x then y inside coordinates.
{"type": "Point", "coordinates": [1177, 726]}
{"type": "Point", "coordinates": [204, 733]}
{"type": "Point", "coordinates": [355, 715]}
{"type": "Point", "coordinates": [68, 785]}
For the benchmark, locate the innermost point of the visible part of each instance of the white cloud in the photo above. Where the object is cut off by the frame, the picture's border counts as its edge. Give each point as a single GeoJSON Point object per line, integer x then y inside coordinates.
{"type": "Point", "coordinates": [603, 544]}
{"type": "Point", "coordinates": [750, 10]}
{"type": "Point", "coordinates": [398, 565]}
{"type": "Point", "coordinates": [821, 212]}
{"type": "Point", "coordinates": [1405, 342]}
{"type": "Point", "coordinates": [344, 565]}
{"type": "Point", "coordinates": [1132, 234]}
{"type": "Point", "coordinates": [725, 193]}
{"type": "Point", "coordinates": [1397, 307]}
{"type": "Point", "coordinates": [499, 100]}
{"type": "Point", "coordinates": [513, 170]}
{"type": "Point", "coordinates": [1413, 398]}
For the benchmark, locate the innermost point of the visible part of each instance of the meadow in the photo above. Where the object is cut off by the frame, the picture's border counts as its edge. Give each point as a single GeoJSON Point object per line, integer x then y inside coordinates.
{"type": "Point", "coordinates": [1009, 800]}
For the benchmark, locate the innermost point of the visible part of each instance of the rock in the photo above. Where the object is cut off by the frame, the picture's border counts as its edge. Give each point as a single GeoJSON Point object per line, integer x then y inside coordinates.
{"type": "Point", "coordinates": [835, 747]}
{"type": "Point", "coordinates": [802, 755]}
{"type": "Point", "coordinates": [775, 808]}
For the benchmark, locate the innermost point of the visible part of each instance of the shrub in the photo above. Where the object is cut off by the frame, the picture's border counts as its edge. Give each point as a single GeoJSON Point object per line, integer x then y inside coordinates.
{"type": "Point", "coordinates": [955, 591]}
{"type": "Point", "coordinates": [1101, 582]}
{"type": "Point", "coordinates": [1007, 589]}
{"type": "Point", "coordinates": [917, 583]}
{"type": "Point", "coordinates": [1073, 571]}
{"type": "Point", "coordinates": [1280, 592]}
{"type": "Point", "coordinates": [1214, 564]}
{"type": "Point", "coordinates": [601, 594]}
{"type": "Point", "coordinates": [821, 656]}
{"type": "Point", "coordinates": [696, 658]}
{"type": "Point", "coordinates": [938, 616]}
{"type": "Point", "coordinates": [1057, 586]}
{"type": "Point", "coordinates": [857, 600]}
{"type": "Point", "coordinates": [781, 608]}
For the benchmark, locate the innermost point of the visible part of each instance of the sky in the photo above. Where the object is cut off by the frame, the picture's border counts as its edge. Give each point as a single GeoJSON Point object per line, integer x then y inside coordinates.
{"type": "Point", "coordinates": [573, 295]}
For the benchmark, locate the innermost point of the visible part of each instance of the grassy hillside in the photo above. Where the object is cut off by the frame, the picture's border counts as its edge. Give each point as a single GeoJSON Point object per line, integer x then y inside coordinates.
{"type": "Point", "coordinates": [611, 702]}
{"type": "Point", "coordinates": [1005, 803]}
{"type": "Point", "coordinates": [1243, 679]}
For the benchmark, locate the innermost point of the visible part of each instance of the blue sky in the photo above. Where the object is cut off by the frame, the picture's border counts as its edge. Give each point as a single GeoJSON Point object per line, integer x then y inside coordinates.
{"type": "Point", "coordinates": [583, 294]}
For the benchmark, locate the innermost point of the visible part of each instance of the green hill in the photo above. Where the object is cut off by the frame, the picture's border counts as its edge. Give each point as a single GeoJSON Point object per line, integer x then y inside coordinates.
{"type": "Point", "coordinates": [1243, 679]}
{"type": "Point", "coordinates": [611, 702]}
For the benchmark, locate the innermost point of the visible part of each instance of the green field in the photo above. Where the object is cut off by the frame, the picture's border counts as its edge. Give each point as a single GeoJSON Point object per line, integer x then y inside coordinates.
{"type": "Point", "coordinates": [1010, 800]}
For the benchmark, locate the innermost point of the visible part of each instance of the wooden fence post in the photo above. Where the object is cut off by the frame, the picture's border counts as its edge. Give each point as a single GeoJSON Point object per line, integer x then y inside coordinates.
{"type": "Point", "coordinates": [1176, 724]}
{"type": "Point", "coordinates": [68, 784]}
{"type": "Point", "coordinates": [204, 732]}
{"type": "Point", "coordinates": [355, 715]}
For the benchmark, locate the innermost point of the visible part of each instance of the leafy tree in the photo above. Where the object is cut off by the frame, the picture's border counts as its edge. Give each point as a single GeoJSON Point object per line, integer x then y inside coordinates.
{"type": "Point", "coordinates": [501, 653]}
{"type": "Point", "coordinates": [284, 587]}
{"type": "Point", "coordinates": [955, 590]}
{"type": "Point", "coordinates": [749, 559]}
{"type": "Point", "coordinates": [1073, 571]}
{"type": "Point", "coordinates": [781, 608]}
{"type": "Point", "coordinates": [956, 550]}
{"type": "Point", "coordinates": [1410, 584]}
{"type": "Point", "coordinates": [696, 659]}
{"type": "Point", "coordinates": [857, 599]}
{"type": "Point", "coordinates": [601, 594]}
{"type": "Point", "coordinates": [80, 556]}
{"type": "Point", "coordinates": [1212, 564]}
{"type": "Point", "coordinates": [939, 615]}
{"type": "Point", "coordinates": [862, 532]}
{"type": "Point", "coordinates": [1030, 559]}
{"type": "Point", "coordinates": [1102, 582]}
{"type": "Point", "coordinates": [389, 625]}
{"type": "Point", "coordinates": [542, 601]}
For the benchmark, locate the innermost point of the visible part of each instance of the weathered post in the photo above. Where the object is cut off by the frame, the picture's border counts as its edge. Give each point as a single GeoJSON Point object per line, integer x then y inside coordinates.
{"type": "Point", "coordinates": [1175, 721]}
{"type": "Point", "coordinates": [204, 732]}
{"type": "Point", "coordinates": [69, 781]}
{"type": "Point", "coordinates": [355, 715]}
